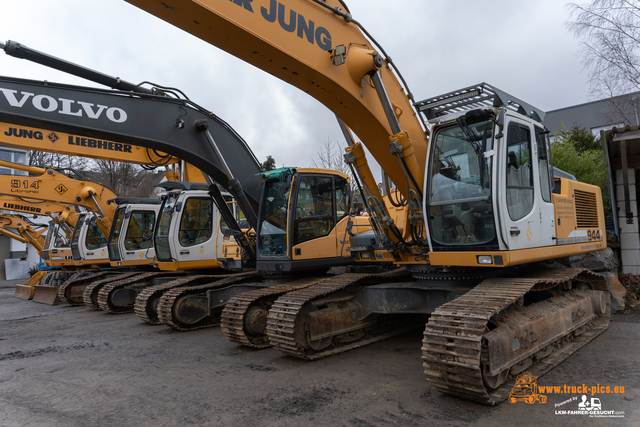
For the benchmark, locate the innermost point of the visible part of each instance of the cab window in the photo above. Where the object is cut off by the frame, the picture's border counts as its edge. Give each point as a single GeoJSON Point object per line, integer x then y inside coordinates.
{"type": "Point", "coordinates": [95, 236]}
{"type": "Point", "coordinates": [314, 209]}
{"type": "Point", "coordinates": [140, 230]}
{"type": "Point", "coordinates": [195, 223]}
{"type": "Point", "coordinates": [543, 165]}
{"type": "Point", "coordinates": [519, 172]}
{"type": "Point", "coordinates": [342, 198]}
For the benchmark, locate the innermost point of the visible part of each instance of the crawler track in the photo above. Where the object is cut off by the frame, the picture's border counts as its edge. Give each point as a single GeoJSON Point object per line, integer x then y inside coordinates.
{"type": "Point", "coordinates": [90, 293]}
{"type": "Point", "coordinates": [236, 312]}
{"type": "Point", "coordinates": [145, 306]}
{"type": "Point", "coordinates": [287, 315]}
{"type": "Point", "coordinates": [104, 295]}
{"type": "Point", "coordinates": [454, 351]}
{"type": "Point", "coordinates": [169, 298]}
{"type": "Point", "coordinates": [65, 290]}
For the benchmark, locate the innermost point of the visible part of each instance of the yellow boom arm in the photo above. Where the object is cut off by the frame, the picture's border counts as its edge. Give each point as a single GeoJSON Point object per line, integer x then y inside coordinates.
{"type": "Point", "coordinates": [26, 233]}
{"type": "Point", "coordinates": [52, 185]}
{"type": "Point", "coordinates": [319, 49]}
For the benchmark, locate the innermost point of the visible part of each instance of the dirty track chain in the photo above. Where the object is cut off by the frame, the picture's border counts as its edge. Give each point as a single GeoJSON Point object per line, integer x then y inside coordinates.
{"type": "Point", "coordinates": [452, 343]}
{"type": "Point", "coordinates": [232, 318]}
{"type": "Point", "coordinates": [145, 313]}
{"type": "Point", "coordinates": [282, 318]}
{"type": "Point", "coordinates": [166, 303]}
{"type": "Point", "coordinates": [90, 294]}
{"type": "Point", "coordinates": [65, 288]}
{"type": "Point", "coordinates": [108, 289]}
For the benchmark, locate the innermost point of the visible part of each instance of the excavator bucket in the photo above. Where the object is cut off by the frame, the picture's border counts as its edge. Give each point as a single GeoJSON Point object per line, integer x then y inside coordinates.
{"type": "Point", "coordinates": [46, 294]}
{"type": "Point", "coordinates": [27, 290]}
{"type": "Point", "coordinates": [47, 291]}
{"type": "Point", "coordinates": [24, 291]}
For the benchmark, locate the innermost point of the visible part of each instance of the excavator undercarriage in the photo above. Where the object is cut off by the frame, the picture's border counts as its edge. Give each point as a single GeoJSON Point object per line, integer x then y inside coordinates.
{"type": "Point", "coordinates": [475, 346]}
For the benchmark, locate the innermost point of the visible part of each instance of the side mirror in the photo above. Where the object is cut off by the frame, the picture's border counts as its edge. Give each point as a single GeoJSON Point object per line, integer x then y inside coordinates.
{"type": "Point", "coordinates": [347, 196]}
{"type": "Point", "coordinates": [500, 123]}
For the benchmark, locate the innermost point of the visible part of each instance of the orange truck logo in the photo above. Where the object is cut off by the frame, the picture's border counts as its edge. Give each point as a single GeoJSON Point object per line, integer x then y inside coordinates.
{"type": "Point", "coordinates": [526, 390]}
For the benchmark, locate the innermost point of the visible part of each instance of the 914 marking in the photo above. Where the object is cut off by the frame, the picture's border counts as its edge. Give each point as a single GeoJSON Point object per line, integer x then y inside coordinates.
{"type": "Point", "coordinates": [24, 183]}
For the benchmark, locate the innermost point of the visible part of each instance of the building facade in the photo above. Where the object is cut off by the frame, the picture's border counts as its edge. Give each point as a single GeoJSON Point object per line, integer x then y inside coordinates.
{"type": "Point", "coordinates": [596, 116]}
{"type": "Point", "coordinates": [620, 113]}
{"type": "Point", "coordinates": [10, 248]}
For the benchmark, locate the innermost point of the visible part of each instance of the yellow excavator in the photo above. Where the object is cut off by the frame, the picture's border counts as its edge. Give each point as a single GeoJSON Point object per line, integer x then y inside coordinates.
{"type": "Point", "coordinates": [56, 255]}
{"type": "Point", "coordinates": [482, 205]}
{"type": "Point", "coordinates": [322, 197]}
{"type": "Point", "coordinates": [52, 186]}
{"type": "Point", "coordinates": [88, 240]}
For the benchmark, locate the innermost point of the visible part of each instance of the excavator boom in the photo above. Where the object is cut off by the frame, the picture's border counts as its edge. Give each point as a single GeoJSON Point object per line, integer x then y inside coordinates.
{"type": "Point", "coordinates": [52, 185]}
{"type": "Point", "coordinates": [317, 47]}
{"type": "Point", "coordinates": [30, 206]}
{"type": "Point", "coordinates": [25, 232]}
{"type": "Point", "coordinates": [155, 122]}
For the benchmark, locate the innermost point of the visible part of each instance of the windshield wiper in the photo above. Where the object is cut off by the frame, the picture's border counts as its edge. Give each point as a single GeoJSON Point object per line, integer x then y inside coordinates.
{"type": "Point", "coordinates": [462, 122]}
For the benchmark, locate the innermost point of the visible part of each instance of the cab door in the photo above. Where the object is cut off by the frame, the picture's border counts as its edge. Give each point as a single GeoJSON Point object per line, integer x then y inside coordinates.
{"type": "Point", "coordinates": [138, 224]}
{"type": "Point", "coordinates": [544, 177]}
{"type": "Point", "coordinates": [520, 204]}
{"type": "Point", "coordinates": [195, 232]}
{"type": "Point", "coordinates": [88, 242]}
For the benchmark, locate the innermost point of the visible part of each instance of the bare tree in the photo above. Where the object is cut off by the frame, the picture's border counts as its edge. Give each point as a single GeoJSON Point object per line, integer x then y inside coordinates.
{"type": "Point", "coordinates": [331, 156]}
{"type": "Point", "coordinates": [610, 50]}
{"type": "Point", "coordinates": [56, 161]}
{"type": "Point", "coordinates": [125, 179]}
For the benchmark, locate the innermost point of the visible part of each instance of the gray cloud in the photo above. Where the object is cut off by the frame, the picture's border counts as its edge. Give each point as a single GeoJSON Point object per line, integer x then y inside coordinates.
{"type": "Point", "coordinates": [439, 45]}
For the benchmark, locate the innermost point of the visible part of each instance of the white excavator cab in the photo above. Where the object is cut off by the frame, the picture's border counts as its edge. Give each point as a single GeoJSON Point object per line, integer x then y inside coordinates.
{"type": "Point", "coordinates": [88, 242]}
{"type": "Point", "coordinates": [131, 238]}
{"type": "Point", "coordinates": [187, 234]}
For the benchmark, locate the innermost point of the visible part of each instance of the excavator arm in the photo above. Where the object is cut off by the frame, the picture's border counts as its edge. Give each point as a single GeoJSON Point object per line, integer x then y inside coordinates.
{"type": "Point", "coordinates": [160, 123]}
{"type": "Point", "coordinates": [27, 206]}
{"type": "Point", "coordinates": [54, 186]}
{"type": "Point", "coordinates": [243, 163]}
{"type": "Point", "coordinates": [25, 230]}
{"type": "Point", "coordinates": [319, 48]}
{"type": "Point", "coordinates": [65, 215]}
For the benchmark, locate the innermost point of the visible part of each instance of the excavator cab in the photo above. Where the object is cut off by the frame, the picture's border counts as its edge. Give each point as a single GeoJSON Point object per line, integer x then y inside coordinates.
{"type": "Point", "coordinates": [131, 238]}
{"type": "Point", "coordinates": [57, 247]}
{"type": "Point", "coordinates": [57, 252]}
{"type": "Point", "coordinates": [492, 199]}
{"type": "Point", "coordinates": [88, 241]}
{"type": "Point", "coordinates": [187, 235]}
{"type": "Point", "coordinates": [303, 214]}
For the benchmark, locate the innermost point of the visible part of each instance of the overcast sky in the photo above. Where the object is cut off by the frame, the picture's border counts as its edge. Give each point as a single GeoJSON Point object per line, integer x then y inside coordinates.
{"type": "Point", "coordinates": [439, 45]}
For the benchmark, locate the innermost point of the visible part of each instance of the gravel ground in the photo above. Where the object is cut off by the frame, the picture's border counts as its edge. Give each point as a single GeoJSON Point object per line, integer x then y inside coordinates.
{"type": "Point", "coordinates": [70, 366]}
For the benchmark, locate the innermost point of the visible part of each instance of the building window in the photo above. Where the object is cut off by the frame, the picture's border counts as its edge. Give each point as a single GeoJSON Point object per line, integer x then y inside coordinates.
{"type": "Point", "coordinates": [14, 157]}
